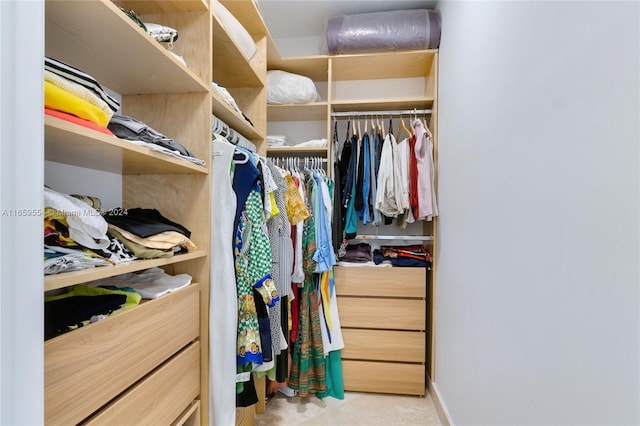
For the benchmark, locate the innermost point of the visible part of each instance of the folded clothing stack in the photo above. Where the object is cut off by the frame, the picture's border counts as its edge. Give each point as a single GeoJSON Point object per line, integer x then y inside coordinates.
{"type": "Point", "coordinates": [357, 253]}
{"type": "Point", "coordinates": [277, 140]}
{"type": "Point", "coordinates": [71, 91]}
{"type": "Point", "coordinates": [83, 305]}
{"type": "Point", "coordinates": [136, 131]}
{"type": "Point", "coordinates": [75, 234]}
{"type": "Point", "coordinates": [412, 255]}
{"type": "Point", "coordinates": [147, 233]}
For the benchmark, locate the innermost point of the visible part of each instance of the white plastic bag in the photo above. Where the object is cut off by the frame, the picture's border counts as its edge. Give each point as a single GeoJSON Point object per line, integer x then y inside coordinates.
{"type": "Point", "coordinates": [288, 88]}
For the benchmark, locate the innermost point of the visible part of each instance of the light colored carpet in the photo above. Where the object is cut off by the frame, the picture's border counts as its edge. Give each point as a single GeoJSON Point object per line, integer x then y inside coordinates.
{"type": "Point", "coordinates": [354, 409]}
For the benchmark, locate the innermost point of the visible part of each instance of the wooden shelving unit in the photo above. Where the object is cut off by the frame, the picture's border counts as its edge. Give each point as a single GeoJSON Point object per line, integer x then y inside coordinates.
{"type": "Point", "coordinates": [367, 83]}
{"type": "Point", "coordinates": [94, 373]}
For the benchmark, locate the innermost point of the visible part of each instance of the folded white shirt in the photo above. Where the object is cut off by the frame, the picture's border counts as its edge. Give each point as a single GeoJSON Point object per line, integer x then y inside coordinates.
{"type": "Point", "coordinates": [86, 226]}
{"type": "Point", "coordinates": [312, 143]}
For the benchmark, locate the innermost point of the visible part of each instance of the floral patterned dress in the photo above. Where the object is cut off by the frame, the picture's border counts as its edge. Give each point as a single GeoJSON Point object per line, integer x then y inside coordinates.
{"type": "Point", "coordinates": [308, 365]}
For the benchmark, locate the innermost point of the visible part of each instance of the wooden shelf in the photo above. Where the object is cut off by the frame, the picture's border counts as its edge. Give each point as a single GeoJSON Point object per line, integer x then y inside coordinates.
{"type": "Point", "coordinates": [129, 60]}
{"type": "Point", "coordinates": [247, 14]}
{"type": "Point", "coordinates": [314, 67]}
{"type": "Point", "coordinates": [226, 113]}
{"type": "Point", "coordinates": [382, 104]}
{"type": "Point", "coordinates": [373, 66]}
{"type": "Point", "coordinates": [235, 70]}
{"type": "Point", "coordinates": [65, 279]}
{"type": "Point", "coordinates": [76, 145]}
{"type": "Point", "coordinates": [292, 150]}
{"type": "Point", "coordinates": [144, 7]}
{"type": "Point", "coordinates": [315, 111]}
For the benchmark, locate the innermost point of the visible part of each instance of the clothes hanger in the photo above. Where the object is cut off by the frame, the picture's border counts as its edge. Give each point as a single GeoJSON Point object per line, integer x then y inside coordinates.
{"type": "Point", "coordinates": [424, 123]}
{"type": "Point", "coordinates": [243, 160]}
{"type": "Point", "coordinates": [403, 127]}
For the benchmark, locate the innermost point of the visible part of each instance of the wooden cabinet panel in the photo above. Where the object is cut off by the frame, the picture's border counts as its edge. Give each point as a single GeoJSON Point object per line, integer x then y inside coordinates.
{"type": "Point", "coordinates": [88, 367]}
{"type": "Point", "coordinates": [382, 282]}
{"type": "Point", "coordinates": [384, 377]}
{"type": "Point", "coordinates": [389, 314]}
{"type": "Point", "coordinates": [190, 416]}
{"type": "Point", "coordinates": [384, 345]}
{"type": "Point", "coordinates": [160, 398]}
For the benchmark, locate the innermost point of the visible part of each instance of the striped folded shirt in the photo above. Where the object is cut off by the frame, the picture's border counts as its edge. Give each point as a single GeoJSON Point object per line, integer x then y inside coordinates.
{"type": "Point", "coordinates": [82, 78]}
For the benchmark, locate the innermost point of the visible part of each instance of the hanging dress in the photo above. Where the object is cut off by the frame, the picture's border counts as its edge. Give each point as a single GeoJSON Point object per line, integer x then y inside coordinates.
{"type": "Point", "coordinates": [427, 206]}
{"type": "Point", "coordinates": [308, 367]}
{"type": "Point", "coordinates": [222, 296]}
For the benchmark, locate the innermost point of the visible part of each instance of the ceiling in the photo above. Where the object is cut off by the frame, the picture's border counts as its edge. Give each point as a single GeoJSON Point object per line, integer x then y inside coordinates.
{"type": "Point", "coordinates": [304, 18]}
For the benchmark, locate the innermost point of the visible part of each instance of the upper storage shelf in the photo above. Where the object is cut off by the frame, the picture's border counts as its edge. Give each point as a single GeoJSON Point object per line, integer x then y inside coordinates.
{"type": "Point", "coordinates": [145, 7]}
{"type": "Point", "coordinates": [314, 111]}
{"type": "Point", "coordinates": [230, 67]}
{"type": "Point", "coordinates": [314, 67]}
{"type": "Point", "coordinates": [129, 62]}
{"type": "Point", "coordinates": [373, 66]}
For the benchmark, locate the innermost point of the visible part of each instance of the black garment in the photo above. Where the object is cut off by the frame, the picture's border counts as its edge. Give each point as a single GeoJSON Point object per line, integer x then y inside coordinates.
{"type": "Point", "coordinates": [351, 170]}
{"type": "Point", "coordinates": [344, 161]}
{"type": "Point", "coordinates": [264, 326]}
{"type": "Point", "coordinates": [61, 315]}
{"type": "Point", "coordinates": [282, 359]}
{"type": "Point", "coordinates": [337, 221]}
{"type": "Point", "coordinates": [248, 395]}
{"type": "Point", "coordinates": [143, 222]}
{"type": "Point", "coordinates": [357, 253]}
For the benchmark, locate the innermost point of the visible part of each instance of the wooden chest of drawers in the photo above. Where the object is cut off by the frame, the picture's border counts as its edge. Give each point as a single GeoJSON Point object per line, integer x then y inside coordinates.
{"type": "Point", "coordinates": [114, 363]}
{"type": "Point", "coordinates": [383, 313]}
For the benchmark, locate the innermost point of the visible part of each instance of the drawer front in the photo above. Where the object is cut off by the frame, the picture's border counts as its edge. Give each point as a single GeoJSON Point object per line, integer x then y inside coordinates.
{"type": "Point", "coordinates": [381, 282]}
{"type": "Point", "coordinates": [384, 377]}
{"type": "Point", "coordinates": [387, 314]}
{"type": "Point", "coordinates": [159, 399]}
{"type": "Point", "coordinates": [384, 345]}
{"type": "Point", "coordinates": [115, 353]}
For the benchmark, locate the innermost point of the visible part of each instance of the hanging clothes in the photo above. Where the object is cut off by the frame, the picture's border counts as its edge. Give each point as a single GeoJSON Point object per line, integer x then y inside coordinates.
{"type": "Point", "coordinates": [279, 229]}
{"type": "Point", "coordinates": [374, 155]}
{"type": "Point", "coordinates": [427, 206]}
{"type": "Point", "coordinates": [223, 315]}
{"type": "Point", "coordinates": [388, 197]}
{"type": "Point", "coordinates": [365, 214]}
{"type": "Point", "coordinates": [413, 177]}
{"type": "Point", "coordinates": [324, 256]}
{"type": "Point", "coordinates": [401, 167]}
{"type": "Point", "coordinates": [308, 368]}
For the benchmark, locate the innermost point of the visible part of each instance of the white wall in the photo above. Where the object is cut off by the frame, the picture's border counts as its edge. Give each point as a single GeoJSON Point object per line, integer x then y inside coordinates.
{"type": "Point", "coordinates": [21, 180]}
{"type": "Point", "coordinates": [79, 180]}
{"type": "Point", "coordinates": [538, 282]}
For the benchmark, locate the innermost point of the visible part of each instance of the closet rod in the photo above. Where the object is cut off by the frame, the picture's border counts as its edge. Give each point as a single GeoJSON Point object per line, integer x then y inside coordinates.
{"type": "Point", "coordinates": [388, 113]}
{"type": "Point", "coordinates": [394, 237]}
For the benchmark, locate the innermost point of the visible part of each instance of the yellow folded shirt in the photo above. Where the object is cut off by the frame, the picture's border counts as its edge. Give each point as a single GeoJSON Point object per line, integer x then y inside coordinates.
{"type": "Point", "coordinates": [61, 100]}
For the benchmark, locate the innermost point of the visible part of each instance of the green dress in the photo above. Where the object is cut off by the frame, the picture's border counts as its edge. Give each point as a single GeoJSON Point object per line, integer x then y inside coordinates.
{"type": "Point", "coordinates": [308, 365]}
{"type": "Point", "coordinates": [253, 270]}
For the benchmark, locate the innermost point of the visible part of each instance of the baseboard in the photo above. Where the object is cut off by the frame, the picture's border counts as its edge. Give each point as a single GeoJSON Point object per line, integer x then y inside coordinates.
{"type": "Point", "coordinates": [438, 403]}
